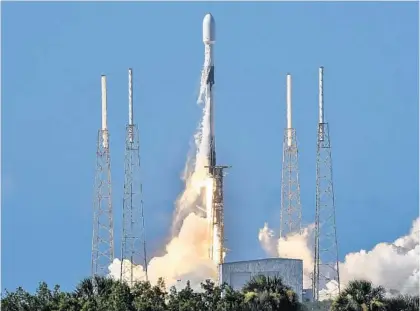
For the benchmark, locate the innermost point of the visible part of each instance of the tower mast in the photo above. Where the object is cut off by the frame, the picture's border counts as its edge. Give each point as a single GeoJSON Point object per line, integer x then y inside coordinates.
{"type": "Point", "coordinates": [103, 230]}
{"type": "Point", "coordinates": [291, 210]}
{"type": "Point", "coordinates": [133, 246]}
{"type": "Point", "coordinates": [326, 269]}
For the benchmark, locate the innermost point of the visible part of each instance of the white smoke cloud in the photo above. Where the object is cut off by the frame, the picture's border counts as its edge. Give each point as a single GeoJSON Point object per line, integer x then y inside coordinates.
{"type": "Point", "coordinates": [185, 259]}
{"type": "Point", "coordinates": [294, 246]}
{"type": "Point", "coordinates": [268, 240]}
{"type": "Point", "coordinates": [186, 256]}
{"type": "Point", "coordinates": [395, 266]}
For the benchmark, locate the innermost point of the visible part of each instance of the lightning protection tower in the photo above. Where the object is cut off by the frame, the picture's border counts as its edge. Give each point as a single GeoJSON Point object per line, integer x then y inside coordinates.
{"type": "Point", "coordinates": [326, 268]}
{"type": "Point", "coordinates": [291, 210]}
{"type": "Point", "coordinates": [133, 246]}
{"type": "Point", "coordinates": [103, 231]}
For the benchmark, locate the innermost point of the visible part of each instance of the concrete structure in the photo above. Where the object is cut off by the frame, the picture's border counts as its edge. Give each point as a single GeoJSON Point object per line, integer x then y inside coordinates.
{"type": "Point", "coordinates": [236, 274]}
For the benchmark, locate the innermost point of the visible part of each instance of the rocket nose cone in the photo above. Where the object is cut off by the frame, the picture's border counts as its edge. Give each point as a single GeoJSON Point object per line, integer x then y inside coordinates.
{"type": "Point", "coordinates": [208, 18]}
{"type": "Point", "coordinates": [209, 29]}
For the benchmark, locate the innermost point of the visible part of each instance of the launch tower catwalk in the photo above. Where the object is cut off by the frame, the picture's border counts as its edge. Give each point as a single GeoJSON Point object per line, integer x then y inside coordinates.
{"type": "Point", "coordinates": [103, 230]}
{"type": "Point", "coordinates": [133, 244]}
{"type": "Point", "coordinates": [326, 269]}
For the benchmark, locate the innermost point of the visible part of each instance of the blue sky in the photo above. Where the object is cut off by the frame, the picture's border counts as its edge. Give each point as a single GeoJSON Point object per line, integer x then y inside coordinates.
{"type": "Point", "coordinates": [54, 53]}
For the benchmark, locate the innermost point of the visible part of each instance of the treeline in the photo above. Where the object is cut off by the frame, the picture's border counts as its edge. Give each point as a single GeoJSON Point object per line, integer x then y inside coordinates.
{"type": "Point", "coordinates": [260, 293]}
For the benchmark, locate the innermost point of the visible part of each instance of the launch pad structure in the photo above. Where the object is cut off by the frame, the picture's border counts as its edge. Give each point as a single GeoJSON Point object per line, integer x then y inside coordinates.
{"type": "Point", "coordinates": [217, 242]}
{"type": "Point", "coordinates": [291, 209]}
{"type": "Point", "coordinates": [133, 244]}
{"type": "Point", "coordinates": [103, 228]}
{"type": "Point", "coordinates": [326, 268]}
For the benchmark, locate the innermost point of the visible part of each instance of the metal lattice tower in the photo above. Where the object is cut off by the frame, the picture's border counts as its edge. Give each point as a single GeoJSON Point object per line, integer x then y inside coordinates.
{"type": "Point", "coordinates": [291, 209]}
{"type": "Point", "coordinates": [326, 267]}
{"type": "Point", "coordinates": [217, 222]}
{"type": "Point", "coordinates": [218, 206]}
{"type": "Point", "coordinates": [133, 246]}
{"type": "Point", "coordinates": [103, 230]}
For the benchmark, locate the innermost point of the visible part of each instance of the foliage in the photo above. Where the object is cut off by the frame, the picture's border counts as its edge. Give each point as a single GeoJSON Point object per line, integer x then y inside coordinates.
{"type": "Point", "coordinates": [270, 293]}
{"type": "Point", "coordinates": [361, 295]}
{"type": "Point", "coordinates": [324, 305]}
{"type": "Point", "coordinates": [260, 293]}
{"type": "Point", "coordinates": [403, 303]}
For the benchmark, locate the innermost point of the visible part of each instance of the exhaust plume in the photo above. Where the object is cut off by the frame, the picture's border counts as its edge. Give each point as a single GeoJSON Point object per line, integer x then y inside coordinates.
{"type": "Point", "coordinates": [187, 253]}
{"type": "Point", "coordinates": [395, 266]}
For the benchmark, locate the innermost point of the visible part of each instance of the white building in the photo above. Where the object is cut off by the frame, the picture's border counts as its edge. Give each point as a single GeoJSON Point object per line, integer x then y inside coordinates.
{"type": "Point", "coordinates": [236, 274]}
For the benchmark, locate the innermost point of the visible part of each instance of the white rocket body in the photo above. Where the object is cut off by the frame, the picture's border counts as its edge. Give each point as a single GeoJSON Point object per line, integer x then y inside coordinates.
{"type": "Point", "coordinates": [209, 38]}
{"type": "Point", "coordinates": [104, 113]}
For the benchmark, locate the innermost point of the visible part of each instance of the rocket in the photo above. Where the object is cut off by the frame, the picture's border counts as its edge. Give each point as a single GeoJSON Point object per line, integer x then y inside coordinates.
{"type": "Point", "coordinates": [209, 38]}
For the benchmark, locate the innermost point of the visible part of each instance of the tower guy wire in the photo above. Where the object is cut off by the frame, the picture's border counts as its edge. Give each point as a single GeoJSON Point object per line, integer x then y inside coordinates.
{"type": "Point", "coordinates": [133, 244]}
{"type": "Point", "coordinates": [291, 209]}
{"type": "Point", "coordinates": [326, 269]}
{"type": "Point", "coordinates": [103, 230]}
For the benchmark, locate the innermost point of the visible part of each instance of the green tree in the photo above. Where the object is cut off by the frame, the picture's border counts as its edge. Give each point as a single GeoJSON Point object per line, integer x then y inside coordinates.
{"type": "Point", "coordinates": [148, 297]}
{"type": "Point", "coordinates": [20, 300]}
{"type": "Point", "coordinates": [360, 295]}
{"type": "Point", "coordinates": [211, 295]}
{"type": "Point", "coordinates": [231, 300]}
{"type": "Point", "coordinates": [93, 294]}
{"type": "Point", "coordinates": [403, 303]}
{"type": "Point", "coordinates": [269, 293]}
{"type": "Point", "coordinates": [185, 300]}
{"type": "Point", "coordinates": [324, 305]}
{"type": "Point", "coordinates": [120, 298]}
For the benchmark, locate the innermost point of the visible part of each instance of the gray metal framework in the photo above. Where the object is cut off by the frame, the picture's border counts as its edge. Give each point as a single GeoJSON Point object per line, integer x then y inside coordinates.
{"type": "Point", "coordinates": [291, 209]}
{"type": "Point", "coordinates": [218, 208]}
{"type": "Point", "coordinates": [133, 246]}
{"type": "Point", "coordinates": [325, 248]}
{"type": "Point", "coordinates": [103, 229]}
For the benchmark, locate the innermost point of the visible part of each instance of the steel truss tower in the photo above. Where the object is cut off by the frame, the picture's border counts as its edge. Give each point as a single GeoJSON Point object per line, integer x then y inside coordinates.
{"type": "Point", "coordinates": [218, 214]}
{"type": "Point", "coordinates": [218, 207]}
{"type": "Point", "coordinates": [326, 267]}
{"type": "Point", "coordinates": [133, 246]}
{"type": "Point", "coordinates": [103, 230]}
{"type": "Point", "coordinates": [291, 210]}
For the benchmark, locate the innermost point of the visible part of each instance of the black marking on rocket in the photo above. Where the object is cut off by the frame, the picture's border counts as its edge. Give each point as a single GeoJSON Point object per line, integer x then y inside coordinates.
{"type": "Point", "coordinates": [212, 151]}
{"type": "Point", "coordinates": [212, 161]}
{"type": "Point", "coordinates": [210, 77]}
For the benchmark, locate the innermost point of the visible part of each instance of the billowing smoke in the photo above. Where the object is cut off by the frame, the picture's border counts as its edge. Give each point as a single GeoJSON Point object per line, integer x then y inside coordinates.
{"type": "Point", "coordinates": [186, 256]}
{"type": "Point", "coordinates": [268, 241]}
{"type": "Point", "coordinates": [297, 246]}
{"type": "Point", "coordinates": [395, 266]}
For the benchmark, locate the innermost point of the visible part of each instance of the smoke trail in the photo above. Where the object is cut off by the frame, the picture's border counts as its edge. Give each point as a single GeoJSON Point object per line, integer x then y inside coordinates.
{"type": "Point", "coordinates": [186, 256]}
{"type": "Point", "coordinates": [395, 266]}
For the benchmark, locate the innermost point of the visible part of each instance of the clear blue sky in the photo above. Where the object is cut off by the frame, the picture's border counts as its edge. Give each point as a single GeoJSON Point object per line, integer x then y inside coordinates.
{"type": "Point", "coordinates": [54, 53]}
